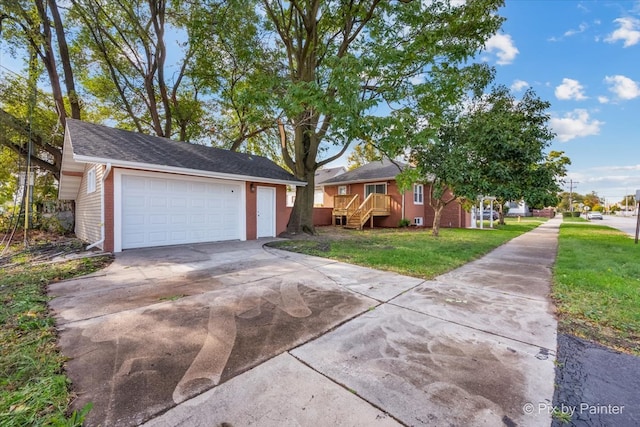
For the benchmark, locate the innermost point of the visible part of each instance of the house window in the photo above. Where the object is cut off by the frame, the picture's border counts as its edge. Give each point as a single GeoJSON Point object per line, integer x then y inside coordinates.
{"type": "Point", "coordinates": [91, 180]}
{"type": "Point", "coordinates": [375, 189]}
{"type": "Point", "coordinates": [342, 190]}
{"type": "Point", "coordinates": [418, 194]}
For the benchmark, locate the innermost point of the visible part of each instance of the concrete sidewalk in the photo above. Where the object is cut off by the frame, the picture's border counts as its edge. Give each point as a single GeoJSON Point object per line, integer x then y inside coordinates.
{"type": "Point", "coordinates": [476, 346]}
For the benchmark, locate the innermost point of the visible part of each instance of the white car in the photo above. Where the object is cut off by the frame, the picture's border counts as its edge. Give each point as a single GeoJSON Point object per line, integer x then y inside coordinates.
{"type": "Point", "coordinates": [594, 215]}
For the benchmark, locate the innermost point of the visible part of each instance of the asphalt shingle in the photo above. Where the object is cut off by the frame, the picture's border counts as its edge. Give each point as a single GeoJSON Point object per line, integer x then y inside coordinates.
{"type": "Point", "coordinates": [117, 145]}
{"type": "Point", "coordinates": [379, 170]}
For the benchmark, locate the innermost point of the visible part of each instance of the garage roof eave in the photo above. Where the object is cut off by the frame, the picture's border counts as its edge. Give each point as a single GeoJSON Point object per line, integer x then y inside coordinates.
{"type": "Point", "coordinates": [185, 171]}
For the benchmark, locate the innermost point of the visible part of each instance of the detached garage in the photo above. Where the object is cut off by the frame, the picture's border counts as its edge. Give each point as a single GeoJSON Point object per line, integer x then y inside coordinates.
{"type": "Point", "coordinates": [134, 191]}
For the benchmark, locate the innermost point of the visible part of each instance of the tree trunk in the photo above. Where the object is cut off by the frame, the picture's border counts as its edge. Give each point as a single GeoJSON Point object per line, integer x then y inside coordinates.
{"type": "Point", "coordinates": [301, 219]}
{"type": "Point", "coordinates": [49, 61]}
{"type": "Point", "coordinates": [63, 49]}
{"type": "Point", "coordinates": [437, 216]}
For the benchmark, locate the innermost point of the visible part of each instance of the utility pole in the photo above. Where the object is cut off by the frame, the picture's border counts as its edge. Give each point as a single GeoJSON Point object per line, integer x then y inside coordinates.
{"type": "Point", "coordinates": [571, 182]}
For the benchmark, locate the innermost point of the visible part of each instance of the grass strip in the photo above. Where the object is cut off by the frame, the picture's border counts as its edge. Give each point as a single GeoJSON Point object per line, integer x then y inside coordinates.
{"type": "Point", "coordinates": [34, 389]}
{"type": "Point", "coordinates": [597, 285]}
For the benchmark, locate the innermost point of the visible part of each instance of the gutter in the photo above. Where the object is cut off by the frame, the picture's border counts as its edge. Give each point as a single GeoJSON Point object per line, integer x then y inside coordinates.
{"type": "Point", "coordinates": [107, 171]}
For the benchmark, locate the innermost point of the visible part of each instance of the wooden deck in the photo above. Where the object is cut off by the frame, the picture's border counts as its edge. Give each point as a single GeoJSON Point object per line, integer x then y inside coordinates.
{"type": "Point", "coordinates": [351, 214]}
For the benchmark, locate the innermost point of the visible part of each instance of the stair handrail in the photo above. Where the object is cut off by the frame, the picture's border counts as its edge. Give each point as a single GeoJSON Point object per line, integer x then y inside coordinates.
{"type": "Point", "coordinates": [351, 207]}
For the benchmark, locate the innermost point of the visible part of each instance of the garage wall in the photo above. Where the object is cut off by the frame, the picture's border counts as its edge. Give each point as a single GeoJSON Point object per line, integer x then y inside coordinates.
{"type": "Point", "coordinates": [282, 212]}
{"type": "Point", "coordinates": [88, 209]}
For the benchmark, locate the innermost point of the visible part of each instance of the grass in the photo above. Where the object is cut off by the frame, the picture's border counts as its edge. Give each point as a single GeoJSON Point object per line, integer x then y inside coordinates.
{"type": "Point", "coordinates": [34, 389]}
{"type": "Point", "coordinates": [597, 285]}
{"type": "Point", "coordinates": [409, 251]}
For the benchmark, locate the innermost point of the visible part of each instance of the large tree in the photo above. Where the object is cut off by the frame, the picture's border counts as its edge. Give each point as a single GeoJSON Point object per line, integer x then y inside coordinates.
{"type": "Point", "coordinates": [123, 52]}
{"type": "Point", "coordinates": [335, 64]}
{"type": "Point", "coordinates": [508, 140]}
{"type": "Point", "coordinates": [433, 139]}
{"type": "Point", "coordinates": [495, 146]}
{"type": "Point", "coordinates": [35, 27]}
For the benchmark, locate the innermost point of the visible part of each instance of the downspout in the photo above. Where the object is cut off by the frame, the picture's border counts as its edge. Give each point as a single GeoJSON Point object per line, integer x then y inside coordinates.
{"type": "Point", "coordinates": [107, 171]}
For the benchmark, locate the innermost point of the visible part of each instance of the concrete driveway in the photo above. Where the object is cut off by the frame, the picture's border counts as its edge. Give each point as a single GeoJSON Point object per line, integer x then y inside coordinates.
{"type": "Point", "coordinates": [240, 334]}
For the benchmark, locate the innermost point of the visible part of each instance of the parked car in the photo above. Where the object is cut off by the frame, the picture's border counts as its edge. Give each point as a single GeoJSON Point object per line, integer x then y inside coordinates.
{"type": "Point", "coordinates": [486, 215]}
{"type": "Point", "coordinates": [594, 215]}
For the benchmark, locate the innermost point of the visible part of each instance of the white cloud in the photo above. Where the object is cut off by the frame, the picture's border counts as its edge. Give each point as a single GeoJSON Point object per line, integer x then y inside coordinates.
{"type": "Point", "coordinates": [570, 89]}
{"type": "Point", "coordinates": [623, 87]}
{"type": "Point", "coordinates": [519, 85]}
{"type": "Point", "coordinates": [504, 47]}
{"type": "Point", "coordinates": [629, 31]}
{"type": "Point", "coordinates": [574, 124]}
{"type": "Point", "coordinates": [581, 29]}
{"type": "Point", "coordinates": [603, 100]}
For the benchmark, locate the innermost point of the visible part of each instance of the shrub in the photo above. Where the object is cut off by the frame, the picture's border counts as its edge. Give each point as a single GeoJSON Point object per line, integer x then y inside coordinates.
{"type": "Point", "coordinates": [404, 222]}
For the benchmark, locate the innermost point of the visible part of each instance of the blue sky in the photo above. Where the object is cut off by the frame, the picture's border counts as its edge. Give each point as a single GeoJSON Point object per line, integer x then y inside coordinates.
{"type": "Point", "coordinates": [584, 58]}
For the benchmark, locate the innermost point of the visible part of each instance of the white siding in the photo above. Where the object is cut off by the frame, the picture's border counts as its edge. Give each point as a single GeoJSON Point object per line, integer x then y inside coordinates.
{"type": "Point", "coordinates": [88, 207]}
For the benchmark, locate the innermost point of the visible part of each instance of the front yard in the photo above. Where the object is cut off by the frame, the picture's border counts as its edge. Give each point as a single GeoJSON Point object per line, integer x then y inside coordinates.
{"type": "Point", "coordinates": [409, 251]}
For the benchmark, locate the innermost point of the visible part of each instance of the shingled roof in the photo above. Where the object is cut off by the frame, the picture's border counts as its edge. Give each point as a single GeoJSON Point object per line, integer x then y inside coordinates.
{"type": "Point", "coordinates": [374, 171]}
{"type": "Point", "coordinates": [322, 175]}
{"type": "Point", "coordinates": [91, 143]}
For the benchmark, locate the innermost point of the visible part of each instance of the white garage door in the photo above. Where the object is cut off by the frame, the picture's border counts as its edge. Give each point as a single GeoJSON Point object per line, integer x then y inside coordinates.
{"type": "Point", "coordinates": [169, 211]}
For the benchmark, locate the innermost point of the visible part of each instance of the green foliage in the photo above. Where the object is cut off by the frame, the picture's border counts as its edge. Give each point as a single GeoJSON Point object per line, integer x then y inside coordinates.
{"type": "Point", "coordinates": [332, 63]}
{"type": "Point", "coordinates": [362, 154]}
{"type": "Point", "coordinates": [404, 223]}
{"type": "Point", "coordinates": [507, 139]}
{"type": "Point", "coordinates": [597, 277]}
{"type": "Point", "coordinates": [34, 390]}
{"type": "Point", "coordinates": [628, 200]}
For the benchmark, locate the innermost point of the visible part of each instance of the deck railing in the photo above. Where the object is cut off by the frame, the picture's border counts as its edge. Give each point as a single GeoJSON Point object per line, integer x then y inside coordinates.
{"type": "Point", "coordinates": [348, 206]}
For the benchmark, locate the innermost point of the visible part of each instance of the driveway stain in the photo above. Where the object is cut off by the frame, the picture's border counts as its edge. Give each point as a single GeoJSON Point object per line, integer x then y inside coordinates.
{"type": "Point", "coordinates": [145, 354]}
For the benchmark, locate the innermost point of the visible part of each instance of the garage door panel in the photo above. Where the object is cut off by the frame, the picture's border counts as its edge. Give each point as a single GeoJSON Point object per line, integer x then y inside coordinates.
{"type": "Point", "coordinates": [158, 202]}
{"type": "Point", "coordinates": [159, 211]}
{"type": "Point", "coordinates": [159, 185]}
{"type": "Point", "coordinates": [133, 202]}
{"type": "Point", "coordinates": [157, 219]}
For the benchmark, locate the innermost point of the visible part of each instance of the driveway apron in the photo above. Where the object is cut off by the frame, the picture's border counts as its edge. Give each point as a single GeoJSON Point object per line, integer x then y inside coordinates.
{"type": "Point", "coordinates": [240, 334]}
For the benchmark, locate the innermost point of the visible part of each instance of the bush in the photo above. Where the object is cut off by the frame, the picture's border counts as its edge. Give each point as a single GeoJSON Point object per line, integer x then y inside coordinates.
{"type": "Point", "coordinates": [567, 214]}
{"type": "Point", "coordinates": [576, 214]}
{"type": "Point", "coordinates": [404, 222]}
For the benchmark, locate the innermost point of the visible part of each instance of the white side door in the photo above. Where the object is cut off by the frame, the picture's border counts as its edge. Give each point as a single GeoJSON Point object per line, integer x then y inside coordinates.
{"type": "Point", "coordinates": [266, 212]}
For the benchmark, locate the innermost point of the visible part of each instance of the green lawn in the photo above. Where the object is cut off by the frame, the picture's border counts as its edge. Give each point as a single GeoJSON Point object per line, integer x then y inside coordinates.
{"type": "Point", "coordinates": [597, 285]}
{"type": "Point", "coordinates": [34, 390]}
{"type": "Point", "coordinates": [409, 251]}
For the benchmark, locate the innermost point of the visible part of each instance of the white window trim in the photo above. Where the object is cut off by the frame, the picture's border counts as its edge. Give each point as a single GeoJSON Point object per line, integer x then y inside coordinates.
{"type": "Point", "coordinates": [91, 180]}
{"type": "Point", "coordinates": [342, 190]}
{"type": "Point", "coordinates": [420, 193]}
{"type": "Point", "coordinates": [375, 183]}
